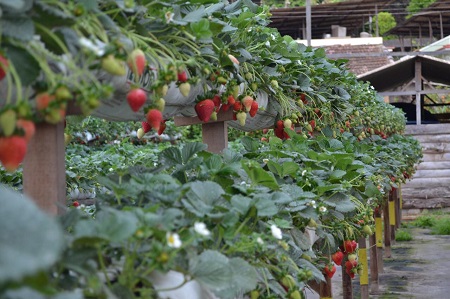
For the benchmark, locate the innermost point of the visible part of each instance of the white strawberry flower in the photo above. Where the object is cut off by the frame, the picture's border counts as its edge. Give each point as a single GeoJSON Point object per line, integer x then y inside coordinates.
{"type": "Point", "coordinates": [276, 232]}
{"type": "Point", "coordinates": [173, 240]}
{"type": "Point", "coordinates": [201, 229]}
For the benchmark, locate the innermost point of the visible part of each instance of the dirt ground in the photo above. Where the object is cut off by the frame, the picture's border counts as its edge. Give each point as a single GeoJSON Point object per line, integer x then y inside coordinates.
{"type": "Point", "coordinates": [417, 269]}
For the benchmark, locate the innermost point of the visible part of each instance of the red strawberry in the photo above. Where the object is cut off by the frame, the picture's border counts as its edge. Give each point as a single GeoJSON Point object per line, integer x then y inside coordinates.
{"type": "Point", "coordinates": [162, 127]}
{"type": "Point", "coordinates": [182, 76]}
{"type": "Point", "coordinates": [279, 132]}
{"type": "Point", "coordinates": [303, 98]}
{"type": "Point", "coordinates": [3, 66]}
{"type": "Point", "coordinates": [43, 100]}
{"type": "Point", "coordinates": [12, 151]}
{"type": "Point", "coordinates": [237, 106]}
{"type": "Point", "coordinates": [28, 127]}
{"type": "Point", "coordinates": [312, 123]}
{"type": "Point", "coordinates": [329, 270]}
{"type": "Point", "coordinates": [247, 102]}
{"type": "Point", "coordinates": [231, 100]}
{"type": "Point", "coordinates": [204, 109]}
{"type": "Point", "coordinates": [76, 204]}
{"type": "Point", "coordinates": [136, 61]}
{"type": "Point", "coordinates": [146, 126]}
{"type": "Point", "coordinates": [279, 124]}
{"type": "Point", "coordinates": [154, 118]}
{"type": "Point", "coordinates": [136, 98]}
{"type": "Point", "coordinates": [349, 265]}
{"type": "Point", "coordinates": [337, 257]}
{"type": "Point", "coordinates": [350, 246]}
{"type": "Point", "coordinates": [217, 101]}
{"type": "Point", "coordinates": [253, 109]}
{"type": "Point", "coordinates": [225, 107]}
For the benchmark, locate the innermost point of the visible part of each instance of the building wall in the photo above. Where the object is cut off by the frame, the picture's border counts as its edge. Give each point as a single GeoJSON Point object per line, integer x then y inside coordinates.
{"type": "Point", "coordinates": [430, 185]}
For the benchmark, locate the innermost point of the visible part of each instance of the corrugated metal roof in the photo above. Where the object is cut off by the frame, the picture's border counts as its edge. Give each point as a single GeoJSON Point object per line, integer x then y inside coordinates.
{"type": "Point", "coordinates": [350, 14]}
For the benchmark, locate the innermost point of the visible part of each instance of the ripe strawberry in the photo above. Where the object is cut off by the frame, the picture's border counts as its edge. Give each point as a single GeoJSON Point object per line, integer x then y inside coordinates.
{"type": "Point", "coordinates": [12, 151]}
{"type": "Point", "coordinates": [329, 270]}
{"type": "Point", "coordinates": [253, 109]}
{"type": "Point", "coordinates": [3, 66]}
{"type": "Point", "coordinates": [136, 61]}
{"type": "Point", "coordinates": [8, 122]}
{"type": "Point", "coordinates": [136, 98]}
{"type": "Point", "coordinates": [350, 246]}
{"type": "Point", "coordinates": [279, 132]}
{"type": "Point", "coordinates": [154, 118]}
{"type": "Point", "coordinates": [182, 76]}
{"type": "Point", "coordinates": [241, 117]}
{"type": "Point", "coordinates": [204, 109]}
{"type": "Point", "coordinates": [76, 204]}
{"type": "Point", "coordinates": [303, 98]}
{"type": "Point", "coordinates": [43, 100]}
{"type": "Point", "coordinates": [185, 88]}
{"type": "Point", "coordinates": [217, 101]}
{"type": "Point", "coordinates": [349, 265]}
{"type": "Point", "coordinates": [279, 124]}
{"type": "Point", "coordinates": [337, 257]}
{"type": "Point", "coordinates": [231, 100]}
{"type": "Point", "coordinates": [162, 127]}
{"type": "Point", "coordinates": [28, 127]}
{"type": "Point", "coordinates": [146, 126]}
{"type": "Point", "coordinates": [237, 106]}
{"type": "Point", "coordinates": [247, 102]}
{"type": "Point", "coordinates": [312, 123]}
{"type": "Point", "coordinates": [113, 65]}
{"type": "Point", "coordinates": [225, 107]}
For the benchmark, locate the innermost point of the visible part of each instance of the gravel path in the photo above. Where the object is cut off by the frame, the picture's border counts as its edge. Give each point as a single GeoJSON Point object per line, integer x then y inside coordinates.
{"type": "Point", "coordinates": [417, 269]}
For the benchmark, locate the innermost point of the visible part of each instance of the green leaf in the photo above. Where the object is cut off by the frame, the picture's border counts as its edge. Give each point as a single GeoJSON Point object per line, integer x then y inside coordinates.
{"type": "Point", "coordinates": [265, 205]}
{"type": "Point", "coordinates": [26, 246]}
{"type": "Point", "coordinates": [319, 53]}
{"type": "Point", "coordinates": [17, 5]}
{"type": "Point", "coordinates": [18, 27]}
{"type": "Point", "coordinates": [201, 29]}
{"type": "Point", "coordinates": [337, 174]}
{"type": "Point", "coordinates": [171, 156]}
{"type": "Point", "coordinates": [202, 197]}
{"type": "Point", "coordinates": [25, 64]}
{"type": "Point", "coordinates": [109, 224]}
{"type": "Point", "coordinates": [241, 203]}
{"type": "Point", "coordinates": [258, 175]}
{"type": "Point", "coordinates": [88, 4]}
{"type": "Point", "coordinates": [243, 279]}
{"type": "Point", "coordinates": [191, 149]}
{"type": "Point", "coordinates": [195, 15]}
{"type": "Point", "coordinates": [211, 269]}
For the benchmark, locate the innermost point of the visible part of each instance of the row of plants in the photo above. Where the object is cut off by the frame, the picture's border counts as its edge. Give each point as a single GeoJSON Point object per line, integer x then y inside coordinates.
{"type": "Point", "coordinates": [240, 223]}
{"type": "Point", "coordinates": [164, 58]}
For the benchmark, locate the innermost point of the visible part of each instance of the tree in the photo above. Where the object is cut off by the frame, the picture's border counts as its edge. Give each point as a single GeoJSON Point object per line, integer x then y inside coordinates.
{"type": "Point", "coordinates": [417, 5]}
{"type": "Point", "coordinates": [386, 22]}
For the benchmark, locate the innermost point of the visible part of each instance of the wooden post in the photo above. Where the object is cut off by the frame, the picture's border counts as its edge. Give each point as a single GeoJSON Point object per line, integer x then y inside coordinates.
{"type": "Point", "coordinates": [44, 172]}
{"type": "Point", "coordinates": [379, 239]}
{"type": "Point", "coordinates": [325, 290]}
{"type": "Point", "coordinates": [364, 277]}
{"type": "Point", "coordinates": [374, 280]}
{"type": "Point", "coordinates": [392, 214]}
{"type": "Point", "coordinates": [398, 210]}
{"type": "Point", "coordinates": [214, 133]}
{"type": "Point", "coordinates": [347, 287]}
{"type": "Point", "coordinates": [387, 230]}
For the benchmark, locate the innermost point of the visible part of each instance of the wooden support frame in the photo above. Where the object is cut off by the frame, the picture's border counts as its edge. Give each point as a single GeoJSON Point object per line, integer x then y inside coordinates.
{"type": "Point", "coordinates": [44, 170]}
{"type": "Point", "coordinates": [214, 133]}
{"type": "Point", "coordinates": [347, 285]}
{"type": "Point", "coordinates": [364, 277]}
{"type": "Point", "coordinates": [374, 278]}
{"type": "Point", "coordinates": [387, 230]}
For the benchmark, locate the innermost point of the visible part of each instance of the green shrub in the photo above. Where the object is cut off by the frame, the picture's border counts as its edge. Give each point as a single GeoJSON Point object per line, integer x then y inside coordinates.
{"type": "Point", "coordinates": [424, 221]}
{"type": "Point", "coordinates": [403, 235]}
{"type": "Point", "coordinates": [441, 226]}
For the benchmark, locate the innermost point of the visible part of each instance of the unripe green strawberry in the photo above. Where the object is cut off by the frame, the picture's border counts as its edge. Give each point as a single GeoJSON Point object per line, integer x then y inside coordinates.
{"type": "Point", "coordinates": [254, 294]}
{"type": "Point", "coordinates": [162, 90]}
{"type": "Point", "coordinates": [295, 295]}
{"type": "Point", "coordinates": [213, 116]}
{"type": "Point", "coordinates": [160, 104]}
{"type": "Point", "coordinates": [288, 281]}
{"type": "Point", "coordinates": [185, 88]}
{"type": "Point", "coordinates": [55, 115]}
{"type": "Point", "coordinates": [67, 139]}
{"type": "Point", "coordinates": [309, 128]}
{"type": "Point", "coordinates": [241, 116]}
{"type": "Point", "coordinates": [140, 133]}
{"type": "Point", "coordinates": [287, 123]}
{"type": "Point", "coordinates": [352, 257]}
{"type": "Point", "coordinates": [63, 93]}
{"type": "Point", "coordinates": [8, 122]}
{"type": "Point", "coordinates": [254, 86]}
{"type": "Point", "coordinates": [367, 230]}
{"type": "Point", "coordinates": [274, 83]}
{"type": "Point", "coordinates": [113, 66]}
{"type": "Point", "coordinates": [235, 91]}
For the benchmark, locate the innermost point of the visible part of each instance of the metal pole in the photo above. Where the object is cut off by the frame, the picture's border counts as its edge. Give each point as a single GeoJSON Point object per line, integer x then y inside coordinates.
{"type": "Point", "coordinates": [377, 29]}
{"type": "Point", "coordinates": [442, 29]}
{"type": "Point", "coordinates": [308, 23]}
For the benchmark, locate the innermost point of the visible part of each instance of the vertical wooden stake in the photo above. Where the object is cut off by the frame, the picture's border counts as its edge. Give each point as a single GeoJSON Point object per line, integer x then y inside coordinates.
{"type": "Point", "coordinates": [44, 170]}
{"type": "Point", "coordinates": [374, 280]}
{"type": "Point", "coordinates": [364, 277]}
{"type": "Point", "coordinates": [215, 135]}
{"type": "Point", "coordinates": [325, 290]}
{"type": "Point", "coordinates": [398, 209]}
{"type": "Point", "coordinates": [347, 287]}
{"type": "Point", "coordinates": [379, 239]}
{"type": "Point", "coordinates": [392, 220]}
{"type": "Point", "coordinates": [387, 230]}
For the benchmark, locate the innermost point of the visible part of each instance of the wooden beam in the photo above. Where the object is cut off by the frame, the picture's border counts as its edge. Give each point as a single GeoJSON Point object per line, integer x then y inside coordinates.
{"type": "Point", "coordinates": [215, 135]}
{"type": "Point", "coordinates": [188, 121]}
{"type": "Point", "coordinates": [374, 279]}
{"type": "Point", "coordinates": [364, 277]}
{"type": "Point", "coordinates": [433, 129]}
{"type": "Point", "coordinates": [418, 89]}
{"type": "Point", "coordinates": [413, 92]}
{"type": "Point", "coordinates": [44, 173]}
{"type": "Point", "coordinates": [387, 230]}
